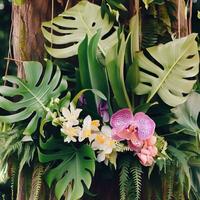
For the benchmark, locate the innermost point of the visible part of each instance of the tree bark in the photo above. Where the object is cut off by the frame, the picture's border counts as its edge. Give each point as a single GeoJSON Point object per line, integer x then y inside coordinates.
{"type": "Point", "coordinates": [28, 42]}
{"type": "Point", "coordinates": [180, 25]}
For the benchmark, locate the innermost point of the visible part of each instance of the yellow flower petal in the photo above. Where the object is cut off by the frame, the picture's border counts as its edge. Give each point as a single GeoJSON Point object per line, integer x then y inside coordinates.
{"type": "Point", "coordinates": [95, 123]}
{"type": "Point", "coordinates": [87, 133]}
{"type": "Point", "coordinates": [100, 139]}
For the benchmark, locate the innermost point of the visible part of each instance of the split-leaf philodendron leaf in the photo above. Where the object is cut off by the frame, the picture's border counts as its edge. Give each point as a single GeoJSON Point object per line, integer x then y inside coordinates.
{"type": "Point", "coordinates": [32, 95]}
{"type": "Point", "coordinates": [169, 70]}
{"type": "Point", "coordinates": [71, 27]}
{"type": "Point", "coordinates": [187, 113]}
{"type": "Point", "coordinates": [77, 166]}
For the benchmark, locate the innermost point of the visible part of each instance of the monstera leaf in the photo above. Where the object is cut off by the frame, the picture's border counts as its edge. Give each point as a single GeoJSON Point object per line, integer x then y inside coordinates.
{"type": "Point", "coordinates": [33, 94]}
{"type": "Point", "coordinates": [169, 70]}
{"type": "Point", "coordinates": [71, 27]}
{"type": "Point", "coordinates": [187, 113]}
{"type": "Point", "coordinates": [75, 169]}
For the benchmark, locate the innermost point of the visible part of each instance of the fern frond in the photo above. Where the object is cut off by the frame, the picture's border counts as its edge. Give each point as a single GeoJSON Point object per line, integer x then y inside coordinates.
{"type": "Point", "coordinates": [120, 147]}
{"type": "Point", "coordinates": [149, 32]}
{"type": "Point", "coordinates": [124, 178]}
{"type": "Point", "coordinates": [13, 179]}
{"type": "Point", "coordinates": [36, 182]}
{"type": "Point", "coordinates": [170, 182]}
{"type": "Point", "coordinates": [12, 148]}
{"type": "Point", "coordinates": [136, 175]}
{"type": "Point", "coordinates": [178, 192]}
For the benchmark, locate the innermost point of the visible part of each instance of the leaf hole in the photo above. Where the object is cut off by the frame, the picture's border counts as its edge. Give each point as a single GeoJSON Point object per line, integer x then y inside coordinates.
{"type": "Point", "coordinates": [109, 33]}
{"type": "Point", "coordinates": [69, 17]}
{"type": "Point", "coordinates": [87, 158]}
{"type": "Point", "coordinates": [190, 68]}
{"type": "Point", "coordinates": [93, 24]}
{"type": "Point", "coordinates": [41, 77]}
{"type": "Point", "coordinates": [64, 28]}
{"type": "Point", "coordinates": [185, 94]}
{"type": "Point", "coordinates": [61, 46]}
{"type": "Point", "coordinates": [146, 83]}
{"type": "Point", "coordinates": [190, 78]}
{"type": "Point", "coordinates": [148, 55]}
{"type": "Point", "coordinates": [190, 56]}
{"type": "Point", "coordinates": [148, 72]}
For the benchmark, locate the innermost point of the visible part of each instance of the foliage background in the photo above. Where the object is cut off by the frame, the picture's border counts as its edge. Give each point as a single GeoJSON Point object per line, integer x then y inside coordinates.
{"type": "Point", "coordinates": [5, 23]}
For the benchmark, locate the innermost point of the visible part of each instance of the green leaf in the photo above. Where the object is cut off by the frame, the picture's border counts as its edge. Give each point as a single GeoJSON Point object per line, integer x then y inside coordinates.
{"type": "Point", "coordinates": [183, 162]}
{"type": "Point", "coordinates": [115, 69]}
{"type": "Point", "coordinates": [96, 92]}
{"type": "Point", "coordinates": [147, 2]}
{"type": "Point", "coordinates": [34, 97]}
{"type": "Point", "coordinates": [92, 72]}
{"type": "Point", "coordinates": [136, 176]}
{"type": "Point", "coordinates": [167, 70]}
{"type": "Point", "coordinates": [76, 165]}
{"type": "Point", "coordinates": [187, 113]}
{"type": "Point", "coordinates": [133, 77]}
{"type": "Point", "coordinates": [134, 27]}
{"type": "Point", "coordinates": [117, 4]}
{"type": "Point", "coordinates": [71, 27]}
{"type": "Point", "coordinates": [19, 2]}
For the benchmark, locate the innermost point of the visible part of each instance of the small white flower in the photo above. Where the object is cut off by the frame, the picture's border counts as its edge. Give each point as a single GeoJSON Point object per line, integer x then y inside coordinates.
{"type": "Point", "coordinates": [104, 143]}
{"type": "Point", "coordinates": [71, 115]}
{"type": "Point", "coordinates": [89, 126]}
{"type": "Point", "coordinates": [71, 133]}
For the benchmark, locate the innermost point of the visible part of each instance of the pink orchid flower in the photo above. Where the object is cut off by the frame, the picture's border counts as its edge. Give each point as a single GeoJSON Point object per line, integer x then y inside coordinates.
{"type": "Point", "coordinates": [135, 128]}
{"type": "Point", "coordinates": [138, 131]}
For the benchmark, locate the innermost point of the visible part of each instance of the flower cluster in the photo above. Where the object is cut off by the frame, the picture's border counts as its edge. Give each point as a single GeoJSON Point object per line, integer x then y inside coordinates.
{"type": "Point", "coordinates": [138, 130]}
{"type": "Point", "coordinates": [75, 131]}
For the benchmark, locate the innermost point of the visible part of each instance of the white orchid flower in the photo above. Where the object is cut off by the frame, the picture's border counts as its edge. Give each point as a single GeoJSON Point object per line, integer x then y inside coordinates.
{"type": "Point", "coordinates": [71, 133]}
{"type": "Point", "coordinates": [89, 126]}
{"type": "Point", "coordinates": [104, 143]}
{"type": "Point", "coordinates": [71, 115]}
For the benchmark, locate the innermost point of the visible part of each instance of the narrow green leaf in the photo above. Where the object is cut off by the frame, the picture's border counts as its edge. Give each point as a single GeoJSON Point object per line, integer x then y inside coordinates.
{"type": "Point", "coordinates": [96, 92]}
{"type": "Point", "coordinates": [115, 69]}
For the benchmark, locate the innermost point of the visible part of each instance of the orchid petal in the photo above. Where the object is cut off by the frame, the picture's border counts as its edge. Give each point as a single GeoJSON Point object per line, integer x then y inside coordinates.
{"type": "Point", "coordinates": [145, 125]}
{"type": "Point", "coordinates": [121, 119]}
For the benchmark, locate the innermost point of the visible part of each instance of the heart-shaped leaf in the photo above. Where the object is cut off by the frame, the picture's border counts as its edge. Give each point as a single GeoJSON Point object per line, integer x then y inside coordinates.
{"type": "Point", "coordinates": [71, 27]}
{"type": "Point", "coordinates": [33, 94]}
{"type": "Point", "coordinates": [169, 70]}
{"type": "Point", "coordinates": [76, 168]}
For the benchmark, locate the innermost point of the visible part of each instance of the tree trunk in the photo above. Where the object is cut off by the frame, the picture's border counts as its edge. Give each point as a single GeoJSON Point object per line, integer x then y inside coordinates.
{"type": "Point", "coordinates": [180, 25]}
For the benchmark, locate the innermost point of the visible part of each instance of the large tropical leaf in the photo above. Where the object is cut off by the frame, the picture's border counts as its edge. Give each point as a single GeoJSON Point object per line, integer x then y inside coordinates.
{"type": "Point", "coordinates": [187, 113]}
{"type": "Point", "coordinates": [169, 70]}
{"type": "Point", "coordinates": [71, 27]}
{"type": "Point", "coordinates": [115, 69]}
{"type": "Point", "coordinates": [75, 169]}
{"type": "Point", "coordinates": [33, 94]}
